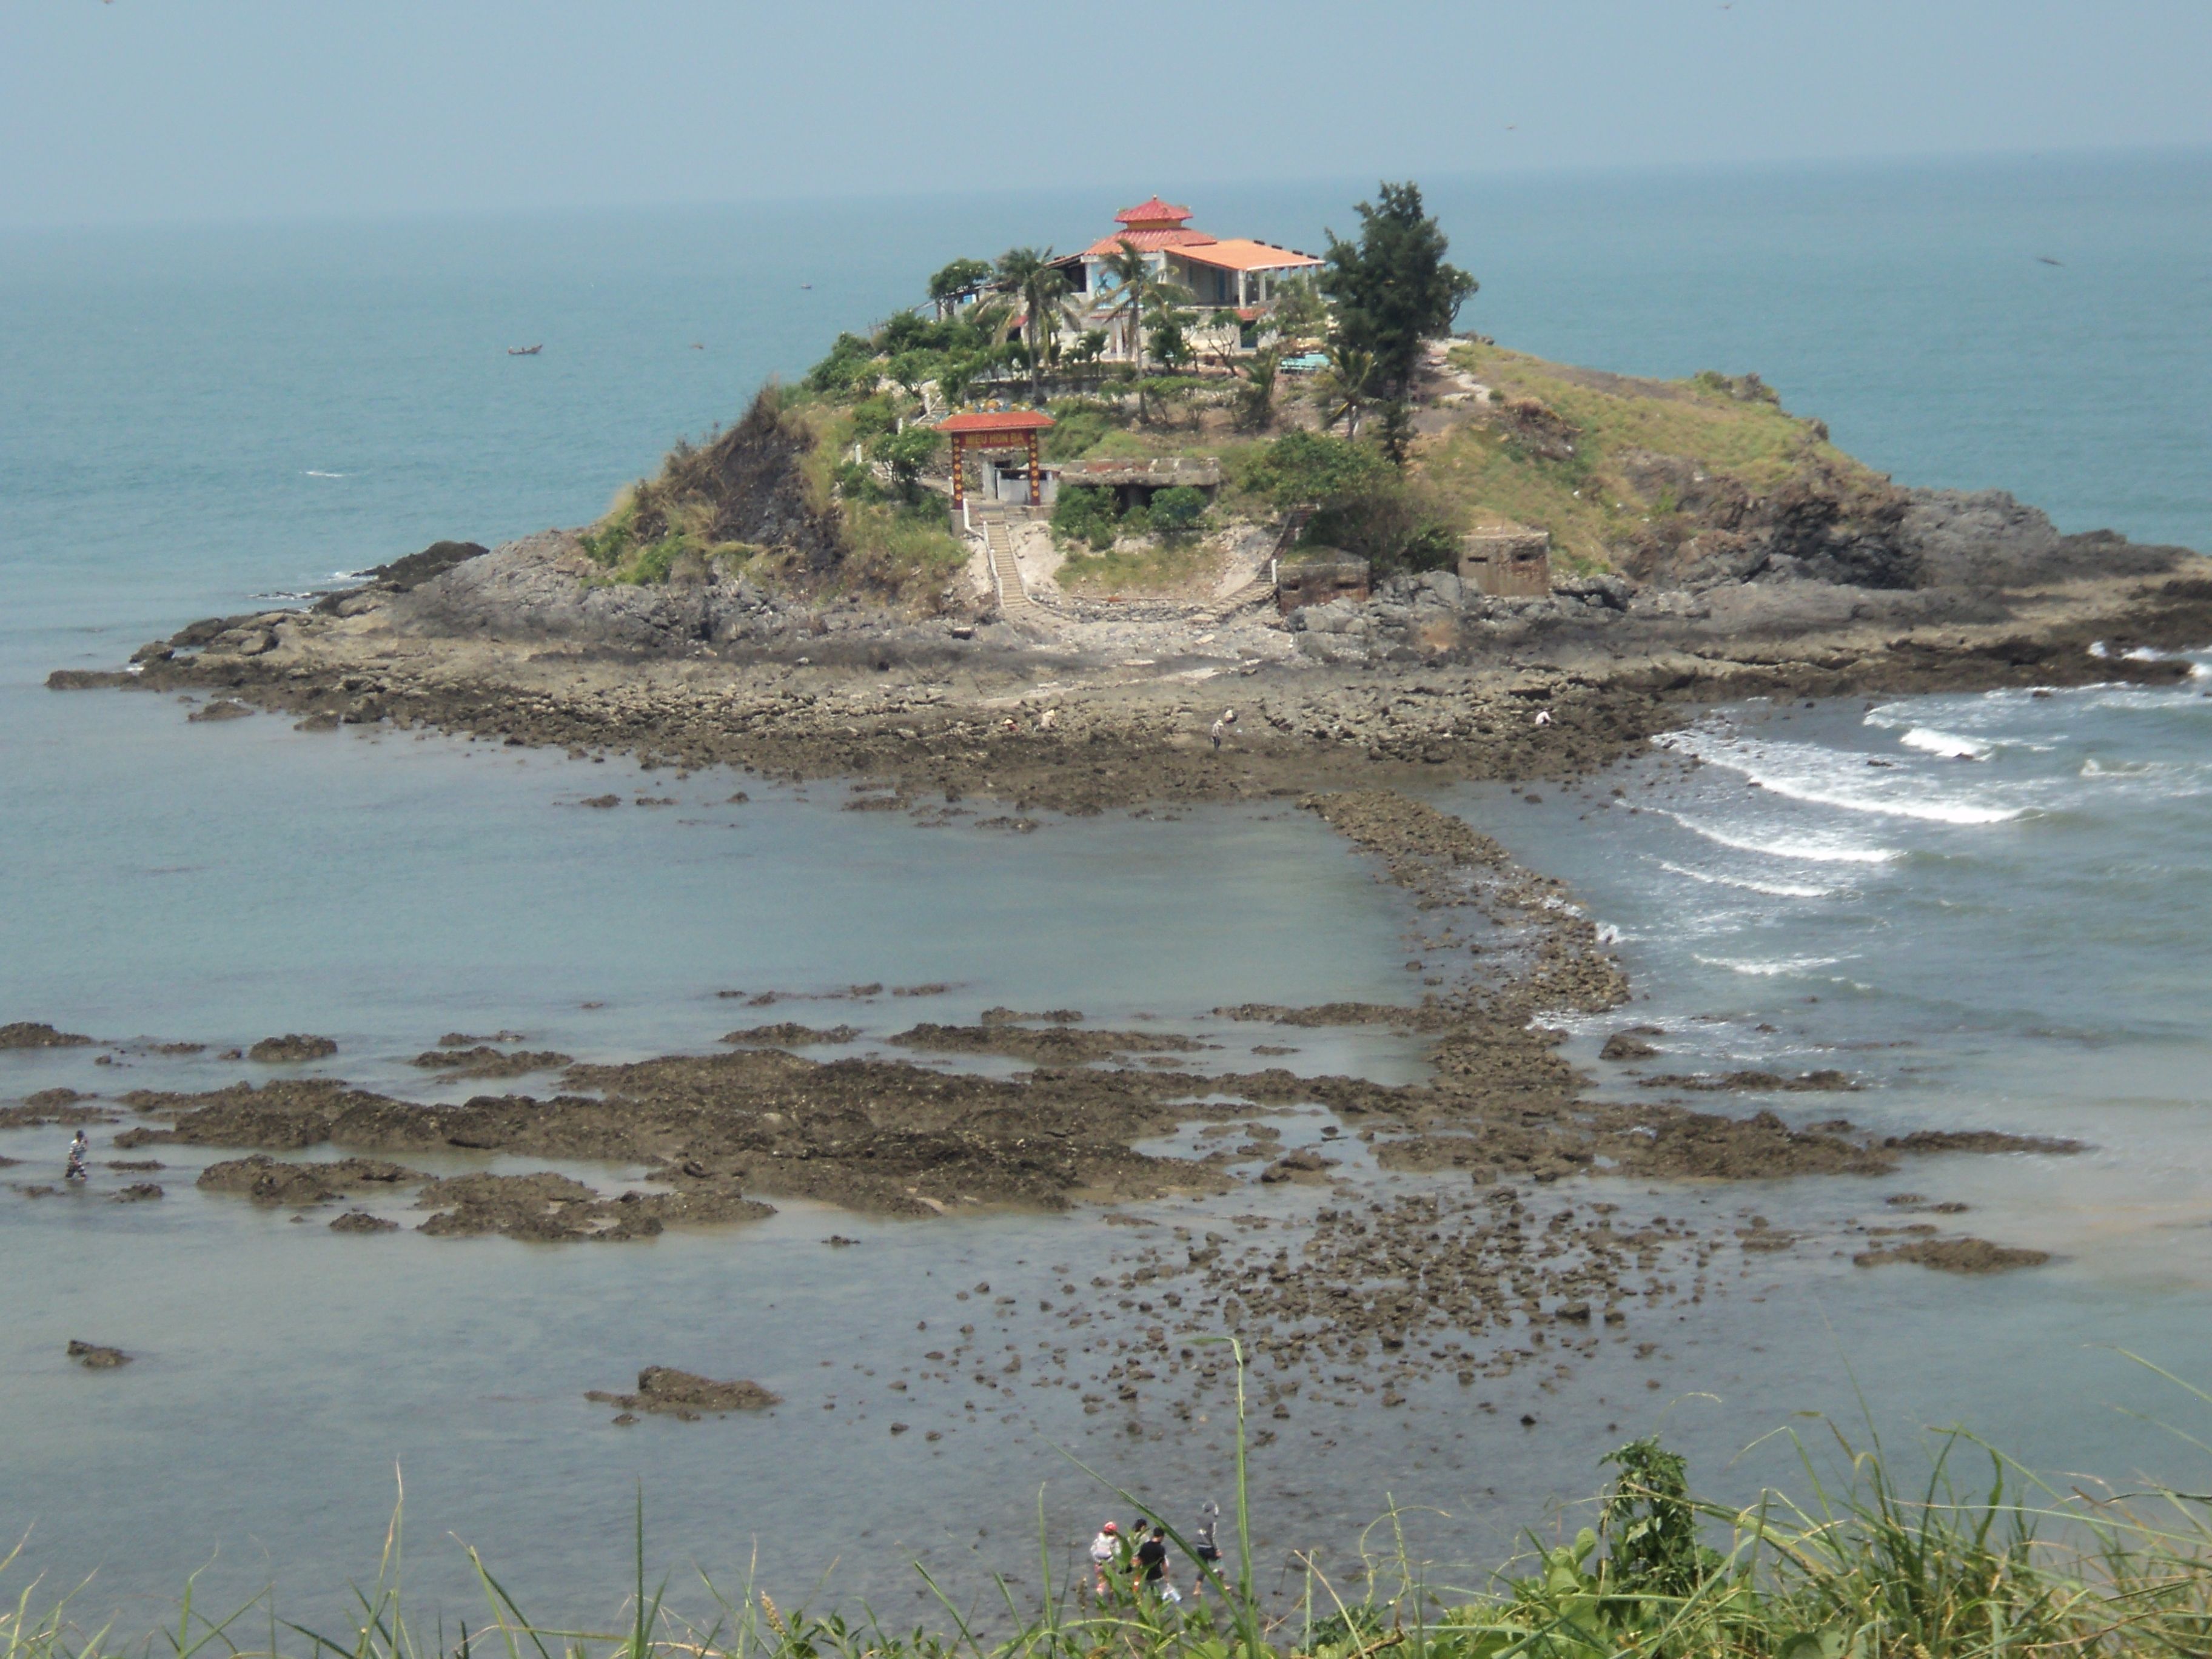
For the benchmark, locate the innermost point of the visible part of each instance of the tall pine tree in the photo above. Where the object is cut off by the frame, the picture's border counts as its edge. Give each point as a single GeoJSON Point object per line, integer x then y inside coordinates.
{"type": "Point", "coordinates": [1392, 289]}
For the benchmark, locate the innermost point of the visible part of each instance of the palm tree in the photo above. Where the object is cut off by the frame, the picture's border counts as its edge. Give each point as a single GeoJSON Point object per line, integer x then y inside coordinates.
{"type": "Point", "coordinates": [1040, 284]}
{"type": "Point", "coordinates": [1256, 398]}
{"type": "Point", "coordinates": [1344, 386]}
{"type": "Point", "coordinates": [1132, 272]}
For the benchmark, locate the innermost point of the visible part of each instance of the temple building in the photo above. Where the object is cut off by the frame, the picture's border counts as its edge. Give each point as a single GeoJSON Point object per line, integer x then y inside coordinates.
{"type": "Point", "coordinates": [1220, 273]}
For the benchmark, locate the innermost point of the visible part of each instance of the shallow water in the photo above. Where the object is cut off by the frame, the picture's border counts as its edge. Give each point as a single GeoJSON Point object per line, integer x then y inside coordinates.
{"type": "Point", "coordinates": [196, 417]}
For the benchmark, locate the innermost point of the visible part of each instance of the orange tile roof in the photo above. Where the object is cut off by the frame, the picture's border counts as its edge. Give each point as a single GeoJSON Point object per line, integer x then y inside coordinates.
{"type": "Point", "coordinates": [996, 420]}
{"type": "Point", "coordinates": [1239, 253]}
{"type": "Point", "coordinates": [1153, 212]}
{"type": "Point", "coordinates": [1146, 242]}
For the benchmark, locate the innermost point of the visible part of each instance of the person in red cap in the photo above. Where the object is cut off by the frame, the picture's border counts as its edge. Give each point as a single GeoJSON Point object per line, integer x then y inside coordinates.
{"type": "Point", "coordinates": [1105, 1551]}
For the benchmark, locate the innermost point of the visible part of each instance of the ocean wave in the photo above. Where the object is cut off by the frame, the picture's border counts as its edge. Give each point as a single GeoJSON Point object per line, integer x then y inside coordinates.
{"type": "Point", "coordinates": [1771, 889]}
{"type": "Point", "coordinates": [2093, 768]}
{"type": "Point", "coordinates": [1949, 745]}
{"type": "Point", "coordinates": [313, 473]}
{"type": "Point", "coordinates": [1830, 777]}
{"type": "Point", "coordinates": [1814, 849]}
{"type": "Point", "coordinates": [1769, 968]}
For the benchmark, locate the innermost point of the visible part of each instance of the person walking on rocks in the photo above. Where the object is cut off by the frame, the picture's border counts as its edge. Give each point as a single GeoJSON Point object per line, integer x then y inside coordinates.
{"type": "Point", "coordinates": [1152, 1564]}
{"type": "Point", "coordinates": [79, 1149]}
{"type": "Point", "coordinates": [1224, 726]}
{"type": "Point", "coordinates": [1105, 1553]}
{"type": "Point", "coordinates": [1205, 1546]}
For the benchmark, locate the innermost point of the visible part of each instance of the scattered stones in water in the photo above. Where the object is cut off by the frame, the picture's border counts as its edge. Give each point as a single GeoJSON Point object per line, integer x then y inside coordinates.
{"type": "Point", "coordinates": [1630, 1044]}
{"type": "Point", "coordinates": [686, 1395]}
{"type": "Point", "coordinates": [1056, 1047]}
{"type": "Point", "coordinates": [35, 1034]}
{"type": "Point", "coordinates": [1979, 1140]}
{"type": "Point", "coordinates": [788, 1034]}
{"type": "Point", "coordinates": [223, 708]}
{"type": "Point", "coordinates": [1821, 1082]}
{"type": "Point", "coordinates": [96, 1357]}
{"type": "Point", "coordinates": [361, 1221]}
{"type": "Point", "coordinates": [1954, 1255]}
{"type": "Point", "coordinates": [484, 1060]}
{"type": "Point", "coordinates": [271, 1181]}
{"type": "Point", "coordinates": [291, 1049]}
{"type": "Point", "coordinates": [139, 1192]}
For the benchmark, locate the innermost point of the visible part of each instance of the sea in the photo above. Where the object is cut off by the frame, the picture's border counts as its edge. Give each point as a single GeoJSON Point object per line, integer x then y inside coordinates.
{"type": "Point", "coordinates": [1994, 910]}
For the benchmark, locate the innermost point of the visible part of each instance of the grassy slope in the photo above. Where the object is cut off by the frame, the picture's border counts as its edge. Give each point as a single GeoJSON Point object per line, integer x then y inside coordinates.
{"type": "Point", "coordinates": [1587, 500]}
{"type": "Point", "coordinates": [1494, 464]}
{"type": "Point", "coordinates": [664, 526]}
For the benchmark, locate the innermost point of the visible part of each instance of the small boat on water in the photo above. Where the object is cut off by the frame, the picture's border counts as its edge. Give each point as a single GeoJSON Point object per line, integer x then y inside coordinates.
{"type": "Point", "coordinates": [525, 351]}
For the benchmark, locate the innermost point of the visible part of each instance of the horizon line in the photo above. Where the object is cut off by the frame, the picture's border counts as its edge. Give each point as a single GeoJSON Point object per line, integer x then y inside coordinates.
{"type": "Point", "coordinates": [1526, 174]}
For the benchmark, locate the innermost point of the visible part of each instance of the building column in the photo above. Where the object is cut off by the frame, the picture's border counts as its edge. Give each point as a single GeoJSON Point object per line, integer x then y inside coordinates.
{"type": "Point", "coordinates": [1036, 484]}
{"type": "Point", "coordinates": [959, 471]}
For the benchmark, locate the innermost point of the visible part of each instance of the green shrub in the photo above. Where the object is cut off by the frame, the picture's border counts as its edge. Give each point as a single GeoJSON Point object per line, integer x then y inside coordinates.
{"type": "Point", "coordinates": [1301, 469]}
{"type": "Point", "coordinates": [851, 362]}
{"type": "Point", "coordinates": [855, 482]}
{"type": "Point", "coordinates": [1076, 430]}
{"type": "Point", "coordinates": [907, 453]}
{"type": "Point", "coordinates": [1395, 525]}
{"type": "Point", "coordinates": [1083, 516]}
{"type": "Point", "coordinates": [1177, 511]}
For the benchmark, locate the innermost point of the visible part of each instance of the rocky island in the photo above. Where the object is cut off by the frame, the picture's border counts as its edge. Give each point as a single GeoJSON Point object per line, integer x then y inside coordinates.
{"type": "Point", "coordinates": [1252, 581]}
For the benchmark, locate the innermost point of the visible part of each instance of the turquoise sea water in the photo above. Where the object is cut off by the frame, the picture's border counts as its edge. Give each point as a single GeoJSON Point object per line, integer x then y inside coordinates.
{"type": "Point", "coordinates": [190, 417]}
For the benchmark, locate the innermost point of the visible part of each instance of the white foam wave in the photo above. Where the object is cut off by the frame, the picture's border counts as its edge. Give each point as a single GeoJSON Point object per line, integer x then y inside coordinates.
{"type": "Point", "coordinates": [1768, 970]}
{"type": "Point", "coordinates": [1745, 884]}
{"type": "Point", "coordinates": [313, 473]}
{"type": "Point", "coordinates": [1815, 849]}
{"type": "Point", "coordinates": [1947, 745]}
{"type": "Point", "coordinates": [1829, 777]}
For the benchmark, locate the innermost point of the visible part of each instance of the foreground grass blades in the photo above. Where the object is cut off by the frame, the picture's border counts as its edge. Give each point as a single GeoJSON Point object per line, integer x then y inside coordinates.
{"type": "Point", "coordinates": [2002, 1565]}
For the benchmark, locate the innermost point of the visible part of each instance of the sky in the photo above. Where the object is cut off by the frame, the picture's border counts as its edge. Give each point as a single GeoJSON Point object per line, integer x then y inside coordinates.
{"type": "Point", "coordinates": [133, 111]}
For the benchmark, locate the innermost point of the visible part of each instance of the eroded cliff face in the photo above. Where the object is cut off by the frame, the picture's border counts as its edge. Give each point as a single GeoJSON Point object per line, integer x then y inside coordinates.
{"type": "Point", "coordinates": [746, 486]}
{"type": "Point", "coordinates": [1828, 523]}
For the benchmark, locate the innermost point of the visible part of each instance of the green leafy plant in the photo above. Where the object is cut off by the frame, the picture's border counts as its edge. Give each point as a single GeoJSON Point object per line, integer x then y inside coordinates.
{"type": "Point", "coordinates": [1178, 510]}
{"type": "Point", "coordinates": [1083, 516]}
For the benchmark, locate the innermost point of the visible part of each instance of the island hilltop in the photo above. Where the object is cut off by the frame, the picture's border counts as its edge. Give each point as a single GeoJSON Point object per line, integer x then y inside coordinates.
{"type": "Point", "coordinates": [1034, 538]}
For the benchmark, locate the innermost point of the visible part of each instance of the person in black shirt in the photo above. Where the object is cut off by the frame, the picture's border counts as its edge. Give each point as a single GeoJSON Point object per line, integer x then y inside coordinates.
{"type": "Point", "coordinates": [1152, 1560]}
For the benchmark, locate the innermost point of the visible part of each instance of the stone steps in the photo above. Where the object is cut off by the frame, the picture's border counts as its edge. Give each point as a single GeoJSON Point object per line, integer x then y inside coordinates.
{"type": "Point", "coordinates": [1014, 602]}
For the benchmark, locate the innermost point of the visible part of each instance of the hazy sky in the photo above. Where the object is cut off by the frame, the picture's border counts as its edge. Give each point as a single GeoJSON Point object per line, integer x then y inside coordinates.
{"type": "Point", "coordinates": [191, 109]}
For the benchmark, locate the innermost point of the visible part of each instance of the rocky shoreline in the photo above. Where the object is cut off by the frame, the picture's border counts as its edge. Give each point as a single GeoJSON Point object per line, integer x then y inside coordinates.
{"type": "Point", "coordinates": [517, 647]}
{"type": "Point", "coordinates": [1462, 1279]}
{"type": "Point", "coordinates": [1341, 707]}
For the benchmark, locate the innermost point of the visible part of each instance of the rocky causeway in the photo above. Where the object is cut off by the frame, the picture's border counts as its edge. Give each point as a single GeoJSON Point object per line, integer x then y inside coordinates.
{"type": "Point", "coordinates": [1508, 1256]}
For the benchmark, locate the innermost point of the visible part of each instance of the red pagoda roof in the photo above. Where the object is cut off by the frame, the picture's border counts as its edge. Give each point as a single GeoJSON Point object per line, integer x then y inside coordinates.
{"type": "Point", "coordinates": [1147, 241]}
{"type": "Point", "coordinates": [1153, 214]}
{"type": "Point", "coordinates": [996, 420]}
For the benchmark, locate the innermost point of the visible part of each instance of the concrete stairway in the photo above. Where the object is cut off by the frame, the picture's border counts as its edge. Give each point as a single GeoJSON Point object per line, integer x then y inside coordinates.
{"type": "Point", "coordinates": [1014, 602]}
{"type": "Point", "coordinates": [1260, 590]}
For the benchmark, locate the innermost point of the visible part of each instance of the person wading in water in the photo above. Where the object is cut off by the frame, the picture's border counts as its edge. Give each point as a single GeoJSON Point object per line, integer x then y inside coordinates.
{"type": "Point", "coordinates": [1205, 1546]}
{"type": "Point", "coordinates": [1152, 1565]}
